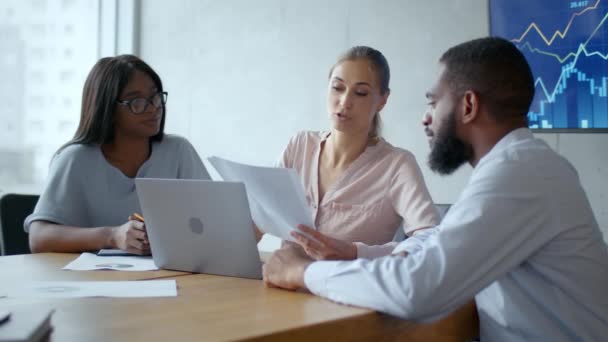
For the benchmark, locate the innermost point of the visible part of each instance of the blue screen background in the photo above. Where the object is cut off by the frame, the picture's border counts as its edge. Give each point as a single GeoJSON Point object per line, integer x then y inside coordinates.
{"type": "Point", "coordinates": [565, 44]}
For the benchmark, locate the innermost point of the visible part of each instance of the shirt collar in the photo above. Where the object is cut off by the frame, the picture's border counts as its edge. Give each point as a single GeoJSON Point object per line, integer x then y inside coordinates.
{"type": "Point", "coordinates": [511, 138]}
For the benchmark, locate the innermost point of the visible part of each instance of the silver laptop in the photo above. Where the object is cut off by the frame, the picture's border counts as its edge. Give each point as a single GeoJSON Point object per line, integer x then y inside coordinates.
{"type": "Point", "coordinates": [200, 226]}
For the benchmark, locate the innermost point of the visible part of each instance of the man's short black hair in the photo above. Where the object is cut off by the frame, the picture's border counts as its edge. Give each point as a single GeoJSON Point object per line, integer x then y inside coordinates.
{"type": "Point", "coordinates": [496, 70]}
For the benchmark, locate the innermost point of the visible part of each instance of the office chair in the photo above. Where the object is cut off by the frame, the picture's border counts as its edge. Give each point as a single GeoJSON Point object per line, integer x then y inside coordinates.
{"type": "Point", "coordinates": [442, 209]}
{"type": "Point", "coordinates": [14, 209]}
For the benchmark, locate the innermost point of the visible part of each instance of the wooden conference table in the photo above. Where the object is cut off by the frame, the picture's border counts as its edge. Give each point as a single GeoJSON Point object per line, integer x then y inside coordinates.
{"type": "Point", "coordinates": [211, 308]}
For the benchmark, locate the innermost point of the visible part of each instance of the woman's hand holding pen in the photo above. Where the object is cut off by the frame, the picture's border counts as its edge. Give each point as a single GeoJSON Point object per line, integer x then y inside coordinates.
{"type": "Point", "coordinates": [132, 236]}
{"type": "Point", "coordinates": [325, 248]}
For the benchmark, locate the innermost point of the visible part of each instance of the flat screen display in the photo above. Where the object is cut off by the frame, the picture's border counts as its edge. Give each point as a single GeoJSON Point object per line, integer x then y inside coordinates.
{"type": "Point", "coordinates": [566, 44]}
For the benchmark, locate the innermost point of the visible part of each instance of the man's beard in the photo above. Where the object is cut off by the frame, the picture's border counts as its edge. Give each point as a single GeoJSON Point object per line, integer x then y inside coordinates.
{"type": "Point", "coordinates": [448, 152]}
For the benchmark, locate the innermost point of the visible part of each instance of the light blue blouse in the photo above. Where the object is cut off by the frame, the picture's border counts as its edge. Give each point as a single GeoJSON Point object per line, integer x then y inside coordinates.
{"type": "Point", "coordinates": [84, 190]}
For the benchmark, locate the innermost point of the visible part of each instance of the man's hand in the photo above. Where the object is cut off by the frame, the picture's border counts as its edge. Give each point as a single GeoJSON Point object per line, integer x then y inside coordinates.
{"type": "Point", "coordinates": [286, 267]}
{"type": "Point", "coordinates": [325, 248]}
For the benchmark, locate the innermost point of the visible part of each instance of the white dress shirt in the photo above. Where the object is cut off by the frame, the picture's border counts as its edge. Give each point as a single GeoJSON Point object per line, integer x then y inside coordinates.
{"type": "Point", "coordinates": [521, 239]}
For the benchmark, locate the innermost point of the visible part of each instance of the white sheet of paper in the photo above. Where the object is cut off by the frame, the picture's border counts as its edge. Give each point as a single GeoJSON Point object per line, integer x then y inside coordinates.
{"type": "Point", "coordinates": [276, 195]}
{"type": "Point", "coordinates": [91, 262]}
{"type": "Point", "coordinates": [77, 289]}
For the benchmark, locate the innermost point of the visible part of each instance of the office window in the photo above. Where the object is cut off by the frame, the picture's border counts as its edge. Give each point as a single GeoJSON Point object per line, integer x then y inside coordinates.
{"type": "Point", "coordinates": [67, 75]}
{"type": "Point", "coordinates": [38, 76]}
{"type": "Point", "coordinates": [42, 86]}
{"type": "Point", "coordinates": [37, 53]}
{"type": "Point", "coordinates": [68, 4]}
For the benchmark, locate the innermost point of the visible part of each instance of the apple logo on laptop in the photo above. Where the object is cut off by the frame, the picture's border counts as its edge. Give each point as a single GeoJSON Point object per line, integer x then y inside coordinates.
{"type": "Point", "coordinates": [196, 225]}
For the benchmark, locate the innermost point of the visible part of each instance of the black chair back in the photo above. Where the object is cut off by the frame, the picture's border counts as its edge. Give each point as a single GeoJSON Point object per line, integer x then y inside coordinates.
{"type": "Point", "coordinates": [442, 209]}
{"type": "Point", "coordinates": [14, 209]}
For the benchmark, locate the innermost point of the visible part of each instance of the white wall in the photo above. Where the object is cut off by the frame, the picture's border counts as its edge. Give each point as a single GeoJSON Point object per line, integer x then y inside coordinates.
{"type": "Point", "coordinates": [243, 76]}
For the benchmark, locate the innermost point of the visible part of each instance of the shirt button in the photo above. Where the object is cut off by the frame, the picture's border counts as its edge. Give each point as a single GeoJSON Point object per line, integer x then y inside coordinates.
{"type": "Point", "coordinates": [314, 206]}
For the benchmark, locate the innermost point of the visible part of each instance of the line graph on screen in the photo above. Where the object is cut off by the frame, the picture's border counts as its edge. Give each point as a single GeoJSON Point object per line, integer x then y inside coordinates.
{"type": "Point", "coordinates": [566, 45]}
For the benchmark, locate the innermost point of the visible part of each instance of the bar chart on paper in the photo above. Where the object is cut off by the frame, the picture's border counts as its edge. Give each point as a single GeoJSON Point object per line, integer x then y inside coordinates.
{"type": "Point", "coordinates": [566, 44]}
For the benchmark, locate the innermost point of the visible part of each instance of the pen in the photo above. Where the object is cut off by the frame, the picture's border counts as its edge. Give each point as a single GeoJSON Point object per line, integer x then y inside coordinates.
{"type": "Point", "coordinates": [4, 316]}
{"type": "Point", "coordinates": [139, 217]}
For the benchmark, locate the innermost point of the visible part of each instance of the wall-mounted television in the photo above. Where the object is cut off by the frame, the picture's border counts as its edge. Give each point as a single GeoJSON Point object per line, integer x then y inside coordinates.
{"type": "Point", "coordinates": [566, 44]}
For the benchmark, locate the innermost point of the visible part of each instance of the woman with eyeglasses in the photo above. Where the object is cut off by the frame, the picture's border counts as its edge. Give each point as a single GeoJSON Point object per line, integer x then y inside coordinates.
{"type": "Point", "coordinates": [90, 193]}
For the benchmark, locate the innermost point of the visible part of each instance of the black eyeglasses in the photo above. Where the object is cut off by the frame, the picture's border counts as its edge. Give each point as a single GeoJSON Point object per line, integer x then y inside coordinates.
{"type": "Point", "coordinates": [140, 105]}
